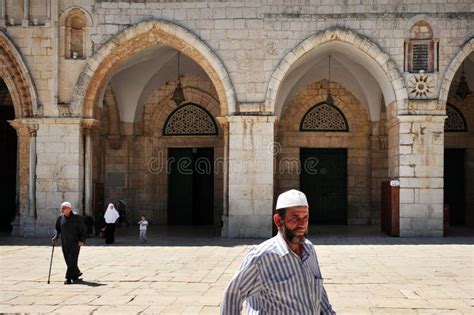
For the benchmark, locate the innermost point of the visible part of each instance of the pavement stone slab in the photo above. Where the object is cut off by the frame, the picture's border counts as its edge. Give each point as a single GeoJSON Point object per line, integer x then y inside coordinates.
{"type": "Point", "coordinates": [373, 274]}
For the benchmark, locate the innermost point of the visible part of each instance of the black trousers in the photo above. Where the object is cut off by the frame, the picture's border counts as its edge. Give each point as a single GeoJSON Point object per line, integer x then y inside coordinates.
{"type": "Point", "coordinates": [71, 255]}
{"type": "Point", "coordinates": [109, 233]}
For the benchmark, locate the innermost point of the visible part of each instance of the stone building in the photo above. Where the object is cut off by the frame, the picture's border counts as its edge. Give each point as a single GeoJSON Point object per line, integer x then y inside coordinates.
{"type": "Point", "coordinates": [329, 96]}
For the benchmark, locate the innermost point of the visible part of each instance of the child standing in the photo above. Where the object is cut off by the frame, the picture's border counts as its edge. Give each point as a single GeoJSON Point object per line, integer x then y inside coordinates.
{"type": "Point", "coordinates": [143, 226]}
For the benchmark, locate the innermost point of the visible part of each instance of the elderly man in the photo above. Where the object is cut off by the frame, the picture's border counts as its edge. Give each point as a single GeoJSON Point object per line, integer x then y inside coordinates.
{"type": "Point", "coordinates": [281, 275]}
{"type": "Point", "coordinates": [73, 233]}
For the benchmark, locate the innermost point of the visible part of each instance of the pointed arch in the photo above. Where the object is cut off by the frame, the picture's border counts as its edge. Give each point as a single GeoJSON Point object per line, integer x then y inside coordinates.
{"type": "Point", "coordinates": [100, 66]}
{"type": "Point", "coordinates": [15, 73]}
{"type": "Point", "coordinates": [466, 49]}
{"type": "Point", "coordinates": [377, 62]}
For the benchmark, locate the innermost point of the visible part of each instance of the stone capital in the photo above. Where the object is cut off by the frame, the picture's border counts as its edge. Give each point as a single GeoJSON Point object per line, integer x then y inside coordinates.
{"type": "Point", "coordinates": [32, 129]}
{"type": "Point", "coordinates": [24, 128]}
{"type": "Point", "coordinates": [90, 123]}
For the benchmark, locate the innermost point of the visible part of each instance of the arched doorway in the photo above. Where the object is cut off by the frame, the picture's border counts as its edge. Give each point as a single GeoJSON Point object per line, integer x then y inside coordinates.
{"type": "Point", "coordinates": [349, 154]}
{"type": "Point", "coordinates": [17, 100]}
{"type": "Point", "coordinates": [8, 160]}
{"type": "Point", "coordinates": [459, 145]}
{"type": "Point", "coordinates": [128, 89]}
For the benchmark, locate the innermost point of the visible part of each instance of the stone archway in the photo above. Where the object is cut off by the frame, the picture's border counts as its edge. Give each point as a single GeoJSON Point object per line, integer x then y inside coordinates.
{"type": "Point", "coordinates": [385, 70]}
{"type": "Point", "coordinates": [17, 77]}
{"type": "Point", "coordinates": [466, 49]}
{"type": "Point", "coordinates": [17, 80]}
{"type": "Point", "coordinates": [136, 38]}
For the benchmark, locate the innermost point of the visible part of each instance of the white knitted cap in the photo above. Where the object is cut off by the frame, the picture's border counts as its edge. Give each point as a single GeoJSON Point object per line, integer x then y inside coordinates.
{"type": "Point", "coordinates": [291, 198]}
{"type": "Point", "coordinates": [66, 204]}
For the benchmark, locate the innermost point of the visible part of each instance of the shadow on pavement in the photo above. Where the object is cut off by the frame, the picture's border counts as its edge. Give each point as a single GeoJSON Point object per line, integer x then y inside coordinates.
{"type": "Point", "coordinates": [89, 283]}
{"type": "Point", "coordinates": [207, 236]}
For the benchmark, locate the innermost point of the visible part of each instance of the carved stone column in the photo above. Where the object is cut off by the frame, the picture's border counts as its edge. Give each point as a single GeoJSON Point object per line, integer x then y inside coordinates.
{"type": "Point", "coordinates": [24, 223]}
{"type": "Point", "coordinates": [88, 126]}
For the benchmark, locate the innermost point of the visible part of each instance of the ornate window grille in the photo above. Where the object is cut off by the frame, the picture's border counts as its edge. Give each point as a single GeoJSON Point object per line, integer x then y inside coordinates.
{"type": "Point", "coordinates": [190, 120]}
{"type": "Point", "coordinates": [324, 117]}
{"type": "Point", "coordinates": [455, 121]}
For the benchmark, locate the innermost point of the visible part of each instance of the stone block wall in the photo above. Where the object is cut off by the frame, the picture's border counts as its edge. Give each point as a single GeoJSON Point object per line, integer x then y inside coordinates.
{"type": "Point", "coordinates": [36, 44]}
{"type": "Point", "coordinates": [252, 37]}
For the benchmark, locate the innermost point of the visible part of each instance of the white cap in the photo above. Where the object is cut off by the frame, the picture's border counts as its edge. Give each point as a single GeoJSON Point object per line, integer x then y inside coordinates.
{"type": "Point", "coordinates": [291, 198]}
{"type": "Point", "coordinates": [66, 204]}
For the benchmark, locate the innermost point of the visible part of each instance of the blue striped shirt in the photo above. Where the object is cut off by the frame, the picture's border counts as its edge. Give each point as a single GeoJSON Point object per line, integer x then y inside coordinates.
{"type": "Point", "coordinates": [274, 280]}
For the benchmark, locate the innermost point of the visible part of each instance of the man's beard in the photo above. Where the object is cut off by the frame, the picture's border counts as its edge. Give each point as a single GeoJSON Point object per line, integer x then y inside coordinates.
{"type": "Point", "coordinates": [292, 238]}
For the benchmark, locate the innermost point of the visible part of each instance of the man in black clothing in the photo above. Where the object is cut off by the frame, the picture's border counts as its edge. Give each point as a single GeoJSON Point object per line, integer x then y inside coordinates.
{"type": "Point", "coordinates": [73, 233]}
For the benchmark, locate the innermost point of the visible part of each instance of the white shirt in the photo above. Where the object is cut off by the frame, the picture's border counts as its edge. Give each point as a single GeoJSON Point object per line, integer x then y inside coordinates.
{"type": "Point", "coordinates": [274, 280]}
{"type": "Point", "coordinates": [143, 225]}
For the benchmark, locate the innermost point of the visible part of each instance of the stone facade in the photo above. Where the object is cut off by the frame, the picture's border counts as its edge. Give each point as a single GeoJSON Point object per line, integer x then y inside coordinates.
{"type": "Point", "coordinates": [91, 83]}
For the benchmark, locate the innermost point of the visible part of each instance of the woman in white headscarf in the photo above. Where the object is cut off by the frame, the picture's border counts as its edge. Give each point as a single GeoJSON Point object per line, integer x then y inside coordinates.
{"type": "Point", "coordinates": [111, 215]}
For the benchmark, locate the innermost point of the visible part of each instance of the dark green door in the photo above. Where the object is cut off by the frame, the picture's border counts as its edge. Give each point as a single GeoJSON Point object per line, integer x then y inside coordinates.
{"type": "Point", "coordinates": [323, 179]}
{"type": "Point", "coordinates": [190, 186]}
{"type": "Point", "coordinates": [8, 158]}
{"type": "Point", "coordinates": [454, 189]}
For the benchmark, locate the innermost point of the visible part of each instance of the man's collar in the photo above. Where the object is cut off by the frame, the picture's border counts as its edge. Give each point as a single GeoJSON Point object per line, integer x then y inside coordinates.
{"type": "Point", "coordinates": [282, 246]}
{"type": "Point", "coordinates": [283, 249]}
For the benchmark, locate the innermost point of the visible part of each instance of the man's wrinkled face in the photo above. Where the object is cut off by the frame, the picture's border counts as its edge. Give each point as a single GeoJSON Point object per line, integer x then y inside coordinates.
{"type": "Point", "coordinates": [295, 224]}
{"type": "Point", "coordinates": [65, 210]}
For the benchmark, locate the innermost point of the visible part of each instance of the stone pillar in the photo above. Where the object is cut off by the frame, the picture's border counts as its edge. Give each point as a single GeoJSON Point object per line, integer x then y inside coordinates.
{"type": "Point", "coordinates": [2, 13]}
{"type": "Point", "coordinates": [26, 14]}
{"type": "Point", "coordinates": [416, 153]}
{"type": "Point", "coordinates": [87, 127]}
{"type": "Point", "coordinates": [251, 164]}
{"type": "Point", "coordinates": [28, 229]}
{"type": "Point", "coordinates": [224, 123]}
{"type": "Point", "coordinates": [379, 172]}
{"type": "Point", "coordinates": [24, 223]}
{"type": "Point", "coordinates": [59, 150]}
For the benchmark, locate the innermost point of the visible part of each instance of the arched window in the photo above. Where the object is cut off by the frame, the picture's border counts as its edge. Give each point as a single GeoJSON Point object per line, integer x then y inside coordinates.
{"type": "Point", "coordinates": [324, 117]}
{"type": "Point", "coordinates": [190, 120]}
{"type": "Point", "coordinates": [75, 33]}
{"type": "Point", "coordinates": [420, 51]}
{"type": "Point", "coordinates": [455, 121]}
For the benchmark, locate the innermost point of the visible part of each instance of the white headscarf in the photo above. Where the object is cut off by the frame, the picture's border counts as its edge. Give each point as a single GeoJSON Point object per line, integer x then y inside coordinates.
{"type": "Point", "coordinates": [111, 214]}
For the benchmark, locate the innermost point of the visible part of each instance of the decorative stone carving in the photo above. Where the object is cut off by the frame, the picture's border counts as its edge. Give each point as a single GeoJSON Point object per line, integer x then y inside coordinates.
{"type": "Point", "coordinates": [32, 129]}
{"type": "Point", "coordinates": [455, 121]}
{"type": "Point", "coordinates": [421, 86]}
{"type": "Point", "coordinates": [190, 119]}
{"type": "Point", "coordinates": [324, 117]}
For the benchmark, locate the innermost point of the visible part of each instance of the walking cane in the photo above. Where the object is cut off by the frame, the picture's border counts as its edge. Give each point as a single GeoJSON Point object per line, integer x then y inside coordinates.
{"type": "Point", "coordinates": [51, 262]}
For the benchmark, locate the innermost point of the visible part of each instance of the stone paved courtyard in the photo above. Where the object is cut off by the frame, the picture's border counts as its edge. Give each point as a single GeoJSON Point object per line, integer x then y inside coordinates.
{"type": "Point", "coordinates": [173, 274]}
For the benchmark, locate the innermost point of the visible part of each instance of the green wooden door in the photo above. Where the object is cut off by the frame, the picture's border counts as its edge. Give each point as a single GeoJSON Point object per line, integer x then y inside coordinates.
{"type": "Point", "coordinates": [180, 186]}
{"type": "Point", "coordinates": [323, 179]}
{"type": "Point", "coordinates": [190, 186]}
